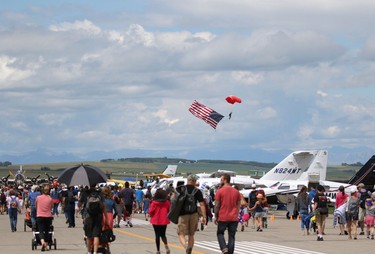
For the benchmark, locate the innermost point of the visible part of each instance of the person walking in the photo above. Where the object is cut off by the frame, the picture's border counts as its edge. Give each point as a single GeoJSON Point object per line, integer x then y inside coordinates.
{"type": "Point", "coordinates": [227, 207]}
{"type": "Point", "coordinates": [93, 219]}
{"type": "Point", "coordinates": [158, 211]}
{"type": "Point", "coordinates": [370, 216]}
{"type": "Point", "coordinates": [127, 195]}
{"type": "Point", "coordinates": [320, 210]}
{"type": "Point", "coordinates": [44, 206]}
{"type": "Point", "coordinates": [252, 199]}
{"type": "Point", "coordinates": [341, 198]}
{"type": "Point", "coordinates": [362, 194]}
{"type": "Point", "coordinates": [146, 202]}
{"type": "Point", "coordinates": [303, 204]}
{"type": "Point", "coordinates": [258, 208]}
{"type": "Point", "coordinates": [352, 211]}
{"type": "Point", "coordinates": [188, 220]}
{"type": "Point", "coordinates": [14, 207]}
{"type": "Point", "coordinates": [31, 199]}
{"type": "Point", "coordinates": [110, 211]}
{"type": "Point", "coordinates": [56, 197]}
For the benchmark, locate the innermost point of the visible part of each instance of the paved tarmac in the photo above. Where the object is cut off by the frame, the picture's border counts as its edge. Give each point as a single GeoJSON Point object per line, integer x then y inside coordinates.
{"type": "Point", "coordinates": [281, 236]}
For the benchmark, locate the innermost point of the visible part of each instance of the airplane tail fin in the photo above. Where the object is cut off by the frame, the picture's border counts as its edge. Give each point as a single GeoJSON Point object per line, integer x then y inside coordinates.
{"type": "Point", "coordinates": [300, 165]}
{"type": "Point", "coordinates": [366, 174]}
{"type": "Point", "coordinates": [170, 170]}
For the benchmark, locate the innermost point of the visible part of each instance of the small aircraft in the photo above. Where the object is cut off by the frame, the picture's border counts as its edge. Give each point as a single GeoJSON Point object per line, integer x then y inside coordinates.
{"type": "Point", "coordinates": [19, 178]}
{"type": "Point", "coordinates": [286, 191]}
{"type": "Point", "coordinates": [296, 165]}
{"type": "Point", "coordinates": [170, 171]}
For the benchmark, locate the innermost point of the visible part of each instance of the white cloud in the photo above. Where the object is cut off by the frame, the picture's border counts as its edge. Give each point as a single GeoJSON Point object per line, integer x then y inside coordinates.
{"type": "Point", "coordinates": [79, 25]}
{"type": "Point", "coordinates": [124, 80]}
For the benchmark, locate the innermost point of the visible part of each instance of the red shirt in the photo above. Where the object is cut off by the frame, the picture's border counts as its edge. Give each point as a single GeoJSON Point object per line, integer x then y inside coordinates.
{"type": "Point", "coordinates": [229, 199]}
{"type": "Point", "coordinates": [340, 199]}
{"type": "Point", "coordinates": [158, 212]}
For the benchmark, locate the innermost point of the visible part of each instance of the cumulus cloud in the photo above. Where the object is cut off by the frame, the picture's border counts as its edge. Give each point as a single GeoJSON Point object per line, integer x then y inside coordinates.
{"type": "Point", "coordinates": [126, 80]}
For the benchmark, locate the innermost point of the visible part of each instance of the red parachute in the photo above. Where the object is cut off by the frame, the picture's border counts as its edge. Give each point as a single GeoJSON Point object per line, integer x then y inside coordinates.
{"type": "Point", "coordinates": [233, 99]}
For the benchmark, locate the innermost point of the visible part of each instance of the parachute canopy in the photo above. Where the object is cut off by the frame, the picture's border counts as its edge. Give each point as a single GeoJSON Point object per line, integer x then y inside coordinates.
{"type": "Point", "coordinates": [233, 99]}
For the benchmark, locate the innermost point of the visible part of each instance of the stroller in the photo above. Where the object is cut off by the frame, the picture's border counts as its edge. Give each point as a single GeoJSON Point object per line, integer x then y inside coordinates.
{"type": "Point", "coordinates": [50, 238]}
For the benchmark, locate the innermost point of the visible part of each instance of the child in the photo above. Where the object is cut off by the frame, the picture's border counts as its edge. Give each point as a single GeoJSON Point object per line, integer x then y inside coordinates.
{"type": "Point", "coordinates": [370, 216]}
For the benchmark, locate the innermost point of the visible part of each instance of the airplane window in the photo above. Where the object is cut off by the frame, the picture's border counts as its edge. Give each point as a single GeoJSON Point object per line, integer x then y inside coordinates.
{"type": "Point", "coordinates": [284, 187]}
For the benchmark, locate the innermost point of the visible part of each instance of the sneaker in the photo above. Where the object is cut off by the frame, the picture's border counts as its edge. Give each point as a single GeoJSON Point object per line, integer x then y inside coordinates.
{"type": "Point", "coordinates": [320, 238]}
{"type": "Point", "coordinates": [362, 233]}
{"type": "Point", "coordinates": [372, 237]}
{"type": "Point", "coordinates": [189, 250]}
{"type": "Point", "coordinates": [130, 224]}
{"type": "Point", "coordinates": [242, 228]}
{"type": "Point", "coordinates": [260, 230]}
{"type": "Point", "coordinates": [225, 251]}
{"type": "Point", "coordinates": [346, 232]}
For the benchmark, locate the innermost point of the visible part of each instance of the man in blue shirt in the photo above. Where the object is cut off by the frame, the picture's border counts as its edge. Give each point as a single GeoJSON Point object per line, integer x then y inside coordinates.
{"type": "Point", "coordinates": [32, 198]}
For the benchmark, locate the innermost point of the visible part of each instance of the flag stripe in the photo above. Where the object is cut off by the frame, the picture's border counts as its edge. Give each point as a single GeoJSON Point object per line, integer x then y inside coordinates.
{"type": "Point", "coordinates": [205, 113]}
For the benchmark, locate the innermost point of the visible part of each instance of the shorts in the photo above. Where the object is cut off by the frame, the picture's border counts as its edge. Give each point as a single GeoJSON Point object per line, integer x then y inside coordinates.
{"type": "Point", "coordinates": [187, 224]}
{"type": "Point", "coordinates": [252, 213]}
{"type": "Point", "coordinates": [128, 209]}
{"type": "Point", "coordinates": [139, 203]}
{"type": "Point", "coordinates": [258, 214]}
{"type": "Point", "coordinates": [246, 217]}
{"type": "Point", "coordinates": [351, 216]}
{"type": "Point", "coordinates": [320, 218]}
{"type": "Point", "coordinates": [370, 220]}
{"type": "Point", "coordinates": [93, 225]}
{"type": "Point", "coordinates": [361, 214]}
{"type": "Point", "coordinates": [120, 208]}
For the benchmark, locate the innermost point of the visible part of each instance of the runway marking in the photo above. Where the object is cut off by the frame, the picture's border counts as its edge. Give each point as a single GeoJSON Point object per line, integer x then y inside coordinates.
{"type": "Point", "coordinates": [151, 239]}
{"type": "Point", "coordinates": [254, 247]}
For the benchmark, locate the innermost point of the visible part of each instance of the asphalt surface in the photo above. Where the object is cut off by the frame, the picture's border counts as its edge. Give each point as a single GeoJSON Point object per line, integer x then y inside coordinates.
{"type": "Point", "coordinates": [281, 236]}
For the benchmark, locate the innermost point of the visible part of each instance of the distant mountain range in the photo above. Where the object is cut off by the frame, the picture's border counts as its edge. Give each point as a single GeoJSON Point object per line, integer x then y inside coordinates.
{"type": "Point", "coordinates": [336, 156]}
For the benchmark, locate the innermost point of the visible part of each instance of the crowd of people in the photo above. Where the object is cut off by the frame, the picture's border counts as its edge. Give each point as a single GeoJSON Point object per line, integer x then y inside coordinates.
{"type": "Point", "coordinates": [105, 208]}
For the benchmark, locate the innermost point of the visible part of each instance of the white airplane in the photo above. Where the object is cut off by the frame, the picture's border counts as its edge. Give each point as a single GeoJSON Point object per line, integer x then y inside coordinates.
{"type": "Point", "coordinates": [296, 166]}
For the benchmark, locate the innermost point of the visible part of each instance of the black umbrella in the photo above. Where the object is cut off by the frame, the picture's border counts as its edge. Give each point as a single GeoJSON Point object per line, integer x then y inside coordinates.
{"type": "Point", "coordinates": [86, 175]}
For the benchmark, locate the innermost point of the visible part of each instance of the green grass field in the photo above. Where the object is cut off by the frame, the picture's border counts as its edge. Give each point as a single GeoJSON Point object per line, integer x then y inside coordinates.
{"type": "Point", "coordinates": [120, 169]}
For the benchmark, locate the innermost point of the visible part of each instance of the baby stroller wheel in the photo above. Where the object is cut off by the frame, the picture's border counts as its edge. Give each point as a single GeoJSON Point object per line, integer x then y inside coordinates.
{"type": "Point", "coordinates": [33, 244]}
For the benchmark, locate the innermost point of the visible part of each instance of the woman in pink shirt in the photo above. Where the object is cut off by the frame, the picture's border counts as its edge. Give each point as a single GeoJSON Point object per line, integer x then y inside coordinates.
{"type": "Point", "coordinates": [341, 198]}
{"type": "Point", "coordinates": [44, 205]}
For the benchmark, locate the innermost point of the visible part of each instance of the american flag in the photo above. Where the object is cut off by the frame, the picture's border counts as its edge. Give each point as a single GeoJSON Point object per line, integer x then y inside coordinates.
{"type": "Point", "coordinates": [207, 114]}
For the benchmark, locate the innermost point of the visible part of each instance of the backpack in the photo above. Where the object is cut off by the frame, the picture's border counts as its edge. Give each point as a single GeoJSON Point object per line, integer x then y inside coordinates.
{"type": "Point", "coordinates": [13, 202]}
{"type": "Point", "coordinates": [116, 199]}
{"type": "Point", "coordinates": [94, 204]}
{"type": "Point", "coordinates": [190, 204]}
{"type": "Point", "coordinates": [3, 198]}
{"type": "Point", "coordinates": [252, 198]}
{"type": "Point", "coordinates": [362, 199]}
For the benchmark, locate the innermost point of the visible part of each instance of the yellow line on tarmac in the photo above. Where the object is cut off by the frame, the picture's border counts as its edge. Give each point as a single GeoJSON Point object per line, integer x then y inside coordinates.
{"type": "Point", "coordinates": [151, 239]}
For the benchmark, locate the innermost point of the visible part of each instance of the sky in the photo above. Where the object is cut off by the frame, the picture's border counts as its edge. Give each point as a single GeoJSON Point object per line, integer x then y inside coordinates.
{"type": "Point", "coordinates": [116, 78]}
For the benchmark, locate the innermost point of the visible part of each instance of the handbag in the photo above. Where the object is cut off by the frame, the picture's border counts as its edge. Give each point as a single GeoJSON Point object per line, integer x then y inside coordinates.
{"type": "Point", "coordinates": [107, 236]}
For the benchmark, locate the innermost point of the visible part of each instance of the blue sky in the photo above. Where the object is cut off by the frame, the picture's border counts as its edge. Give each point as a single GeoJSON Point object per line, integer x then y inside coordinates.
{"type": "Point", "coordinates": [118, 77]}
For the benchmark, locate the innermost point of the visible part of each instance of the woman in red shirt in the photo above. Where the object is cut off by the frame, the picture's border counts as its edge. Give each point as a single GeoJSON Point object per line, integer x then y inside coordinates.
{"type": "Point", "coordinates": [44, 206]}
{"type": "Point", "coordinates": [159, 209]}
{"type": "Point", "coordinates": [341, 198]}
